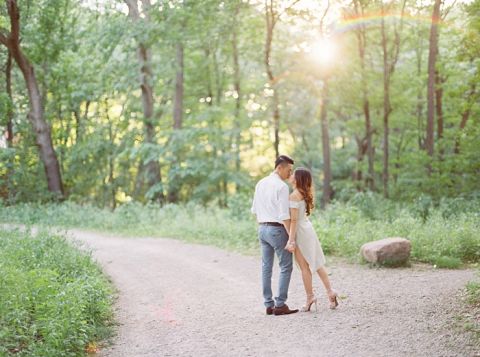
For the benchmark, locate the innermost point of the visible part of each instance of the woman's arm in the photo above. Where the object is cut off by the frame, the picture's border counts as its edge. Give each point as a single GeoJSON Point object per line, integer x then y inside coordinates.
{"type": "Point", "coordinates": [293, 230]}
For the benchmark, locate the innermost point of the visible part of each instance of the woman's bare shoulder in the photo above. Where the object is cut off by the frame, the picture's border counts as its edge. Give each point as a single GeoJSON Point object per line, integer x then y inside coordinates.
{"type": "Point", "coordinates": [296, 196]}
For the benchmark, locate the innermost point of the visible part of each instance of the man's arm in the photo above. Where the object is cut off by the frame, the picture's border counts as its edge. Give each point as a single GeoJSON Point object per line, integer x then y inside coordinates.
{"type": "Point", "coordinates": [284, 207]}
{"type": "Point", "coordinates": [254, 206]}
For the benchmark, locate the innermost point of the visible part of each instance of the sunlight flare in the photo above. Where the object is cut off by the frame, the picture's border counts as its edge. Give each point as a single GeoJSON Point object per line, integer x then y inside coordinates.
{"type": "Point", "coordinates": [323, 51]}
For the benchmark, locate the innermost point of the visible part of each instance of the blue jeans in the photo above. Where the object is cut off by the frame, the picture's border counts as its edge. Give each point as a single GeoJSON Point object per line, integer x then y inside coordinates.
{"type": "Point", "coordinates": [273, 240]}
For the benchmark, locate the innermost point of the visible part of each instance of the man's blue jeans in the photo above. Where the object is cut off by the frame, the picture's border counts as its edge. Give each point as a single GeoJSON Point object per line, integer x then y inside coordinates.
{"type": "Point", "coordinates": [273, 240]}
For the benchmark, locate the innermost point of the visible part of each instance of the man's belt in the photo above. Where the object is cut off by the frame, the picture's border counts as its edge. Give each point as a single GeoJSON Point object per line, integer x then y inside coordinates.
{"type": "Point", "coordinates": [275, 224]}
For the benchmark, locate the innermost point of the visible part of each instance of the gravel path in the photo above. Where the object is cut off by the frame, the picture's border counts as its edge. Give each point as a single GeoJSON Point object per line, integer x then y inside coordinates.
{"type": "Point", "coordinates": [179, 299]}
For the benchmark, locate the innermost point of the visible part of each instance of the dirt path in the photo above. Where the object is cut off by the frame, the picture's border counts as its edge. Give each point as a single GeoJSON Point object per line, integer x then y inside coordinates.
{"type": "Point", "coordinates": [178, 299]}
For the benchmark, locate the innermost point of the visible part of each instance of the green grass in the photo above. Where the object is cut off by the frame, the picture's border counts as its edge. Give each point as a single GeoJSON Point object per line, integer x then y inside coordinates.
{"type": "Point", "coordinates": [446, 235]}
{"type": "Point", "coordinates": [54, 300]}
{"type": "Point", "coordinates": [194, 223]}
{"type": "Point", "coordinates": [446, 242]}
{"type": "Point", "coordinates": [473, 290]}
{"type": "Point", "coordinates": [446, 262]}
{"type": "Point", "coordinates": [471, 323]}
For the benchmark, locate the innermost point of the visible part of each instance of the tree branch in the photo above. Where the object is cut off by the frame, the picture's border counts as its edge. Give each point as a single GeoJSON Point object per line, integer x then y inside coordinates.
{"type": "Point", "coordinates": [447, 10]}
{"type": "Point", "coordinates": [294, 2]}
{"type": "Point", "coordinates": [397, 39]}
{"type": "Point", "coordinates": [324, 15]}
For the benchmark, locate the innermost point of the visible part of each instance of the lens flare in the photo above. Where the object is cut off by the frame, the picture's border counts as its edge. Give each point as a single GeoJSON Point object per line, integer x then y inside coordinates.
{"type": "Point", "coordinates": [323, 51]}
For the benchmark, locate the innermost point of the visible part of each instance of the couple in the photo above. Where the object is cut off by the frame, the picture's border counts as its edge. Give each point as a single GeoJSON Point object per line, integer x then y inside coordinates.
{"type": "Point", "coordinates": [284, 229]}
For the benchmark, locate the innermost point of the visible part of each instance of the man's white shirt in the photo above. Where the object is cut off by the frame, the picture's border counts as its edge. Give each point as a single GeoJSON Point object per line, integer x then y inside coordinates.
{"type": "Point", "coordinates": [270, 201]}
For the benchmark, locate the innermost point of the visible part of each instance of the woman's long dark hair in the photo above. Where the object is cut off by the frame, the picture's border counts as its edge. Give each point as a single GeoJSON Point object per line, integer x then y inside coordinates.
{"type": "Point", "coordinates": [303, 179]}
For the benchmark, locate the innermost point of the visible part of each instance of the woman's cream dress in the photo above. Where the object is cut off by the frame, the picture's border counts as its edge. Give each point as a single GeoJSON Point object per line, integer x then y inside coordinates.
{"type": "Point", "coordinates": [307, 240]}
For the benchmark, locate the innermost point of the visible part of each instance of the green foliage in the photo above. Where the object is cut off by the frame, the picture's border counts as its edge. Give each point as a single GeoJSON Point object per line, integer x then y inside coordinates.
{"type": "Point", "coordinates": [54, 300]}
{"type": "Point", "coordinates": [208, 225]}
{"type": "Point", "coordinates": [344, 228]}
{"type": "Point", "coordinates": [470, 322]}
{"type": "Point", "coordinates": [422, 206]}
{"type": "Point", "coordinates": [473, 289]}
{"type": "Point", "coordinates": [442, 237]}
{"type": "Point", "coordinates": [85, 58]}
{"type": "Point", "coordinates": [446, 262]}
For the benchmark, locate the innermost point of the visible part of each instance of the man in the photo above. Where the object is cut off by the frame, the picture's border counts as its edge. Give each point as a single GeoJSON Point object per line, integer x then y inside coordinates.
{"type": "Point", "coordinates": [271, 206]}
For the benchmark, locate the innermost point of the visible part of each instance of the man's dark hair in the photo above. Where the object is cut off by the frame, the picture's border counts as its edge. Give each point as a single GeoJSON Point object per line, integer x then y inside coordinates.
{"type": "Point", "coordinates": [283, 159]}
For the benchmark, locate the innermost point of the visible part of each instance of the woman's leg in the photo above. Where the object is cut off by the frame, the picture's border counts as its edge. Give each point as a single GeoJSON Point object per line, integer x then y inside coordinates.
{"type": "Point", "coordinates": [322, 273]}
{"type": "Point", "coordinates": [332, 295]}
{"type": "Point", "coordinates": [306, 273]}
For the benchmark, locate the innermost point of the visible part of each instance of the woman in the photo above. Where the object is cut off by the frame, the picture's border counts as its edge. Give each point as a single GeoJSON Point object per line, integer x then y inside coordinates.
{"type": "Point", "coordinates": [303, 240]}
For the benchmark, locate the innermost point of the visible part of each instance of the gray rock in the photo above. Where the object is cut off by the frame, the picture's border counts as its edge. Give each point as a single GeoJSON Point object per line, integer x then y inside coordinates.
{"type": "Point", "coordinates": [390, 251]}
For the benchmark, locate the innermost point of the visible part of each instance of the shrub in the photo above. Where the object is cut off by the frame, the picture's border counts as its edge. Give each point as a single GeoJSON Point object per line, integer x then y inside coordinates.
{"type": "Point", "coordinates": [446, 262]}
{"type": "Point", "coordinates": [436, 232]}
{"type": "Point", "coordinates": [54, 300]}
{"type": "Point", "coordinates": [473, 290]}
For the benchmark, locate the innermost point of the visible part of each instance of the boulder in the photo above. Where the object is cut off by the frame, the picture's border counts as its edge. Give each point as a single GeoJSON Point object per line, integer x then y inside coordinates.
{"type": "Point", "coordinates": [389, 251]}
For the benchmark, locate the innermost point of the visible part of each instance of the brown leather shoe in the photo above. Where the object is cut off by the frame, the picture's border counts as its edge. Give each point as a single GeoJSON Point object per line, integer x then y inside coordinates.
{"type": "Point", "coordinates": [284, 310]}
{"type": "Point", "coordinates": [269, 310]}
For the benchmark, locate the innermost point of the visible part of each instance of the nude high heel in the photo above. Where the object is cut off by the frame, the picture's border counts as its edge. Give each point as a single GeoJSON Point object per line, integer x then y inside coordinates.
{"type": "Point", "coordinates": [333, 298]}
{"type": "Point", "coordinates": [311, 299]}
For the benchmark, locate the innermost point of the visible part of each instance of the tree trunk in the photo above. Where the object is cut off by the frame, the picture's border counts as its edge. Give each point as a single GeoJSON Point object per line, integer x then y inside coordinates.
{"type": "Point", "coordinates": [238, 92]}
{"type": "Point", "coordinates": [420, 99]}
{"type": "Point", "coordinates": [432, 60]}
{"type": "Point", "coordinates": [438, 106]}
{"type": "Point", "coordinates": [398, 155]}
{"type": "Point", "coordinates": [465, 115]}
{"type": "Point", "coordinates": [111, 160]}
{"type": "Point", "coordinates": [327, 171]}
{"type": "Point", "coordinates": [8, 77]}
{"type": "Point", "coordinates": [362, 44]}
{"type": "Point", "coordinates": [139, 180]}
{"type": "Point", "coordinates": [10, 189]}
{"type": "Point", "coordinates": [218, 78]}
{"type": "Point", "coordinates": [79, 121]}
{"type": "Point", "coordinates": [390, 59]}
{"type": "Point", "coordinates": [386, 113]}
{"type": "Point", "coordinates": [224, 190]}
{"type": "Point", "coordinates": [41, 129]}
{"type": "Point", "coordinates": [386, 110]}
{"type": "Point", "coordinates": [152, 167]}
{"type": "Point", "coordinates": [178, 105]}
{"type": "Point", "coordinates": [209, 96]}
{"type": "Point", "coordinates": [370, 180]}
{"type": "Point", "coordinates": [111, 170]}
{"type": "Point", "coordinates": [358, 172]}
{"type": "Point", "coordinates": [276, 124]}
{"type": "Point", "coordinates": [270, 19]}
{"type": "Point", "coordinates": [173, 185]}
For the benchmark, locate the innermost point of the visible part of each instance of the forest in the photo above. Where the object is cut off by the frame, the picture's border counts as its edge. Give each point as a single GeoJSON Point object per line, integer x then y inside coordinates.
{"type": "Point", "coordinates": [156, 118]}
{"type": "Point", "coordinates": [108, 102]}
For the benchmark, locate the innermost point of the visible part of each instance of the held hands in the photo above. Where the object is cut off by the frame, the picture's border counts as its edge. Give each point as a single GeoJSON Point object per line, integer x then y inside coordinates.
{"type": "Point", "coordinates": [290, 247]}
